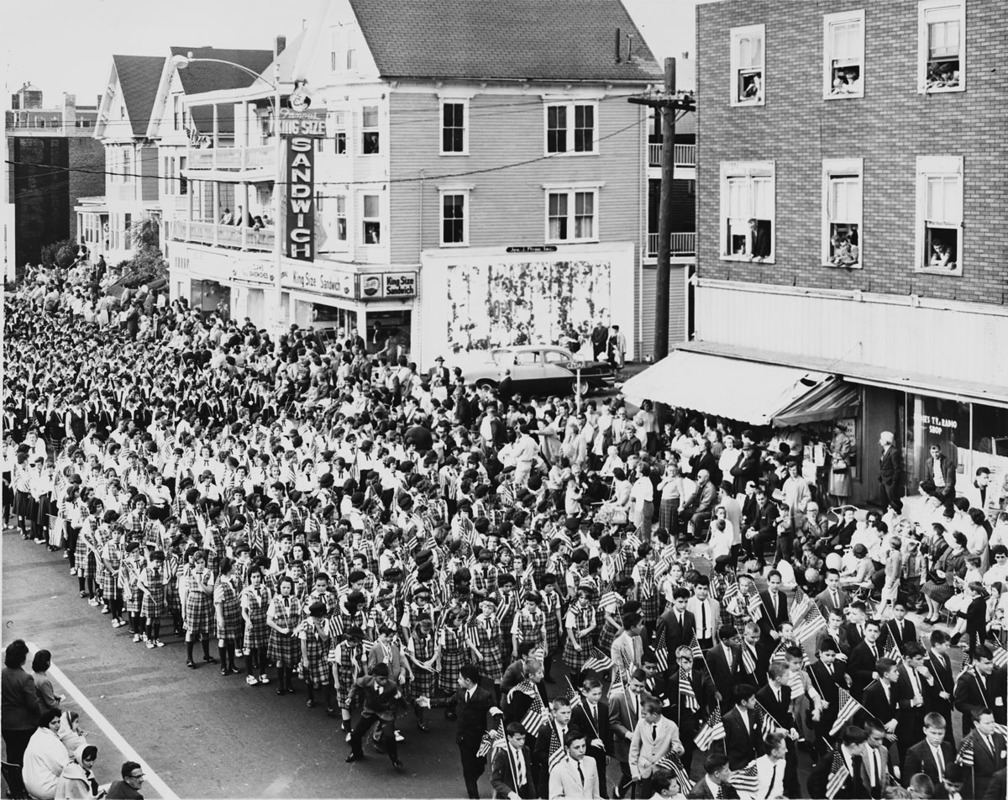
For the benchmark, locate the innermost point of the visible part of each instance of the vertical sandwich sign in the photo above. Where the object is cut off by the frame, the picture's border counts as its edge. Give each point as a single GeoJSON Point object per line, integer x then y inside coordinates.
{"type": "Point", "coordinates": [300, 129]}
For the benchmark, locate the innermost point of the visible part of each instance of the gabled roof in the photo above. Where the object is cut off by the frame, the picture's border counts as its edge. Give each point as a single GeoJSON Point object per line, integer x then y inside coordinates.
{"type": "Point", "coordinates": [202, 76]}
{"type": "Point", "coordinates": [554, 40]}
{"type": "Point", "coordinates": [139, 77]}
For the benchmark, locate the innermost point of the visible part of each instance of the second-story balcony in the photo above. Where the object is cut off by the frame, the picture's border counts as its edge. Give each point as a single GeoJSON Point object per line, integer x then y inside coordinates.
{"type": "Point", "coordinates": [233, 236]}
{"type": "Point", "coordinates": [234, 159]}
{"type": "Point", "coordinates": [685, 155]}
{"type": "Point", "coordinates": [683, 245]}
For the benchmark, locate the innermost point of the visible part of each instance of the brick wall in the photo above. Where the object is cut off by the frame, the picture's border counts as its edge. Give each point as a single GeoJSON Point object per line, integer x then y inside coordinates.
{"type": "Point", "coordinates": [87, 175]}
{"type": "Point", "coordinates": [888, 128]}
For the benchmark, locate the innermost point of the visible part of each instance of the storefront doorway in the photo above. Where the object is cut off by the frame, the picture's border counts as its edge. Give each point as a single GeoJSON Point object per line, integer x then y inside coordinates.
{"type": "Point", "coordinates": [210, 297]}
{"type": "Point", "coordinates": [389, 333]}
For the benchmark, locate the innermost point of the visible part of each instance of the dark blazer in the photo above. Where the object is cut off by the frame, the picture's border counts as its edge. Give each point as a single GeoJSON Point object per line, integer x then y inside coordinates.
{"type": "Point", "coordinates": [854, 637]}
{"type": "Point", "coordinates": [621, 721]}
{"type": "Point", "coordinates": [758, 676]}
{"type": "Point", "coordinates": [473, 717]}
{"type": "Point", "coordinates": [891, 469]}
{"type": "Point", "coordinates": [724, 677]}
{"type": "Point", "coordinates": [829, 687]}
{"type": "Point", "coordinates": [771, 620]}
{"type": "Point", "coordinates": [742, 744]}
{"type": "Point", "coordinates": [20, 701]}
{"type": "Point", "coordinates": [502, 775]}
{"type": "Point", "coordinates": [676, 634]}
{"type": "Point", "coordinates": [909, 633]}
{"type": "Point", "coordinates": [911, 718]}
{"type": "Point", "coordinates": [825, 601]}
{"type": "Point", "coordinates": [944, 681]}
{"type": "Point", "coordinates": [996, 786]}
{"type": "Point", "coordinates": [875, 702]}
{"type": "Point", "coordinates": [747, 469]}
{"type": "Point", "coordinates": [969, 695]}
{"type": "Point", "coordinates": [702, 790]}
{"type": "Point", "coordinates": [591, 728]}
{"type": "Point", "coordinates": [920, 759]}
{"type": "Point", "coordinates": [947, 470]}
{"type": "Point", "coordinates": [985, 763]}
{"type": "Point", "coordinates": [819, 777]}
{"type": "Point", "coordinates": [780, 711]}
{"type": "Point", "coordinates": [861, 666]}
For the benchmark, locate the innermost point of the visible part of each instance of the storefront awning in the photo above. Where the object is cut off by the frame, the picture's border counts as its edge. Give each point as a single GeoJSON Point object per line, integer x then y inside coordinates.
{"type": "Point", "coordinates": [831, 399]}
{"type": "Point", "coordinates": [745, 391]}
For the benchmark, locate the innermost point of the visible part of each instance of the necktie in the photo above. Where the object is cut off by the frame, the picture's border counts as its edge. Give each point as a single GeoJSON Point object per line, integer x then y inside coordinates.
{"type": "Point", "coordinates": [940, 761]}
{"type": "Point", "coordinates": [856, 764]}
{"type": "Point", "coordinates": [720, 793]}
{"type": "Point", "coordinates": [773, 780]}
{"type": "Point", "coordinates": [727, 654]}
{"type": "Point", "coordinates": [580, 774]}
{"type": "Point", "coordinates": [519, 770]}
{"type": "Point", "coordinates": [654, 732]}
{"type": "Point", "coordinates": [836, 604]}
{"type": "Point", "coordinates": [703, 619]}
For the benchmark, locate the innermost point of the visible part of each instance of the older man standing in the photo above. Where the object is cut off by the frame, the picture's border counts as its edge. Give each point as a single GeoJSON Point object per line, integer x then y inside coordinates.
{"type": "Point", "coordinates": [891, 472]}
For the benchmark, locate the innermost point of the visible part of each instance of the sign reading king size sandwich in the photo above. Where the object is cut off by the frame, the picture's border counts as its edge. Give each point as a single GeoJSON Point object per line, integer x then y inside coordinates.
{"type": "Point", "coordinates": [300, 129]}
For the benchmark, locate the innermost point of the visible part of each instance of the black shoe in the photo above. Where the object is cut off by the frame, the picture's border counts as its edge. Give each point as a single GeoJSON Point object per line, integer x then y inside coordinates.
{"type": "Point", "coordinates": [225, 672]}
{"type": "Point", "coordinates": [190, 664]}
{"type": "Point", "coordinates": [209, 659]}
{"type": "Point", "coordinates": [354, 757]}
{"type": "Point", "coordinates": [280, 689]}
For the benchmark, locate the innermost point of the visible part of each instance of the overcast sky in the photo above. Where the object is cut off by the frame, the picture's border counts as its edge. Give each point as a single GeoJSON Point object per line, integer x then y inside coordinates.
{"type": "Point", "coordinates": [66, 45]}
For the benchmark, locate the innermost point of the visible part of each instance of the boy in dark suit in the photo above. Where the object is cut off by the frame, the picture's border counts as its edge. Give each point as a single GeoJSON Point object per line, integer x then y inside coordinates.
{"type": "Point", "coordinates": [940, 692]}
{"type": "Point", "coordinates": [851, 749]}
{"type": "Point", "coordinates": [724, 660]}
{"type": "Point", "coordinates": [473, 705]}
{"type": "Point", "coordinates": [743, 738]}
{"type": "Point", "coordinates": [827, 676]}
{"type": "Point", "coordinates": [912, 690]}
{"type": "Point", "coordinates": [881, 698]}
{"type": "Point", "coordinates": [863, 658]}
{"type": "Point", "coordinates": [774, 610]}
{"type": "Point", "coordinates": [900, 629]}
{"type": "Point", "coordinates": [678, 622]}
{"type": "Point", "coordinates": [714, 783]}
{"type": "Point", "coordinates": [931, 756]}
{"type": "Point", "coordinates": [988, 751]}
{"type": "Point", "coordinates": [591, 717]}
{"type": "Point", "coordinates": [511, 771]}
{"type": "Point", "coordinates": [775, 698]}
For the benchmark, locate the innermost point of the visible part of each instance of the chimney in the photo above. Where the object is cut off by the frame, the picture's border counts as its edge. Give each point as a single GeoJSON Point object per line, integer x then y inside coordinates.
{"type": "Point", "coordinates": [619, 52]}
{"type": "Point", "coordinates": [281, 45]}
{"type": "Point", "coordinates": [69, 111]}
{"type": "Point", "coordinates": [629, 48]}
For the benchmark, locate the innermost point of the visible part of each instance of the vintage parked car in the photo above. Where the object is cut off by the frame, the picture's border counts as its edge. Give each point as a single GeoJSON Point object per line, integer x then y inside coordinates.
{"type": "Point", "coordinates": [539, 369]}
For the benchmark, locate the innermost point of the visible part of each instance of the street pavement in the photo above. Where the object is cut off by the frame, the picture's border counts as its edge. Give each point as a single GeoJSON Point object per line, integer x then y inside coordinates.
{"type": "Point", "coordinates": [204, 735]}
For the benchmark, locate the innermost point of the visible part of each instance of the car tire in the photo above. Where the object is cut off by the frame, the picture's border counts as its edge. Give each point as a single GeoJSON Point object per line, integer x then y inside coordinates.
{"type": "Point", "coordinates": [580, 389]}
{"type": "Point", "coordinates": [486, 383]}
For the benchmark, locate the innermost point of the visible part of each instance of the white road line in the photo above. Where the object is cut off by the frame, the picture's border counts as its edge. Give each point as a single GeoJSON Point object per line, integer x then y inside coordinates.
{"type": "Point", "coordinates": [150, 776]}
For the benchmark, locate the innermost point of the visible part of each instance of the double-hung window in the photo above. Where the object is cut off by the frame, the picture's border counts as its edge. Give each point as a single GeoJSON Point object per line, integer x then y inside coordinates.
{"type": "Point", "coordinates": [454, 217]}
{"type": "Point", "coordinates": [748, 211]}
{"type": "Point", "coordinates": [842, 235]}
{"type": "Point", "coordinates": [369, 130]}
{"type": "Point", "coordinates": [939, 217]}
{"type": "Point", "coordinates": [572, 214]}
{"type": "Point", "coordinates": [371, 217]}
{"type": "Point", "coordinates": [748, 65]}
{"type": "Point", "coordinates": [843, 55]}
{"type": "Point", "coordinates": [340, 233]}
{"type": "Point", "coordinates": [454, 130]}
{"type": "Point", "coordinates": [571, 128]}
{"type": "Point", "coordinates": [339, 132]}
{"type": "Point", "coordinates": [941, 46]}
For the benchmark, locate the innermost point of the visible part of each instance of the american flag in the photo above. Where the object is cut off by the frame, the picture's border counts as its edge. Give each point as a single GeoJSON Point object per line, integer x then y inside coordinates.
{"type": "Point", "coordinates": [661, 651]}
{"type": "Point", "coordinates": [891, 649]}
{"type": "Point", "coordinates": [536, 716]}
{"type": "Point", "coordinates": [573, 695]}
{"type": "Point", "coordinates": [632, 541]}
{"type": "Point", "coordinates": [610, 601]}
{"type": "Point", "coordinates": [1000, 657]}
{"type": "Point", "coordinates": [838, 775]}
{"type": "Point", "coordinates": [800, 606]}
{"type": "Point", "coordinates": [965, 756]}
{"type": "Point", "coordinates": [686, 694]}
{"type": "Point", "coordinates": [814, 623]}
{"type": "Point", "coordinates": [778, 656]}
{"type": "Point", "coordinates": [712, 731]}
{"type": "Point", "coordinates": [755, 604]}
{"type": "Point", "coordinates": [664, 565]}
{"type": "Point", "coordinates": [767, 721]}
{"type": "Point", "coordinates": [695, 647]}
{"type": "Point", "coordinates": [556, 749]}
{"type": "Point", "coordinates": [671, 763]}
{"type": "Point", "coordinates": [745, 780]}
{"type": "Point", "coordinates": [492, 738]}
{"type": "Point", "coordinates": [748, 660]}
{"type": "Point", "coordinates": [598, 661]}
{"type": "Point", "coordinates": [848, 708]}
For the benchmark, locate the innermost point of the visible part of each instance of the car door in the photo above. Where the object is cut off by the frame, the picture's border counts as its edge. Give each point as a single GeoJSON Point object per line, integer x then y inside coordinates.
{"type": "Point", "coordinates": [526, 371]}
{"type": "Point", "coordinates": [556, 374]}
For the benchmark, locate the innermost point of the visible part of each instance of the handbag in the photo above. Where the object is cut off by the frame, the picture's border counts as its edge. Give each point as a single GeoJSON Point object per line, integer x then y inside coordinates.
{"type": "Point", "coordinates": [839, 464]}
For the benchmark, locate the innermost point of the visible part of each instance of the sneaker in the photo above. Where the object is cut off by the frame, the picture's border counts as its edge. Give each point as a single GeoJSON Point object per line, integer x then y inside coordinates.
{"type": "Point", "coordinates": [105, 610]}
{"type": "Point", "coordinates": [239, 653]}
{"type": "Point", "coordinates": [399, 737]}
{"type": "Point", "coordinates": [136, 637]}
{"type": "Point", "coordinates": [348, 737]}
{"type": "Point", "coordinates": [252, 680]}
{"type": "Point", "coordinates": [73, 570]}
{"type": "Point", "coordinates": [93, 601]}
{"type": "Point", "coordinates": [158, 643]}
{"type": "Point", "coordinates": [82, 593]}
{"type": "Point", "coordinates": [150, 644]}
{"type": "Point", "coordinates": [115, 623]}
{"type": "Point", "coordinates": [264, 679]}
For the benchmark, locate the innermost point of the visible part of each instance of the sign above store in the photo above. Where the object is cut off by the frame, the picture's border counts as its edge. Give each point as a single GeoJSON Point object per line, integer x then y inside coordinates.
{"type": "Point", "coordinates": [533, 248]}
{"type": "Point", "coordinates": [388, 285]}
{"type": "Point", "coordinates": [303, 123]}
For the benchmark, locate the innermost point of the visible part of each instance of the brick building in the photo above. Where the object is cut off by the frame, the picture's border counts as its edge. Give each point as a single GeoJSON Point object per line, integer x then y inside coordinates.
{"type": "Point", "coordinates": [851, 175]}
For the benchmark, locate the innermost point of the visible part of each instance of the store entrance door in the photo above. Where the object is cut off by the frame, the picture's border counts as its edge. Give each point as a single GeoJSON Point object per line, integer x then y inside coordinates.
{"type": "Point", "coordinates": [389, 333]}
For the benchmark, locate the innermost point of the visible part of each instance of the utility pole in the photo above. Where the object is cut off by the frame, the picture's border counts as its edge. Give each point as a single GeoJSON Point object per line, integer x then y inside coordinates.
{"type": "Point", "coordinates": [667, 103]}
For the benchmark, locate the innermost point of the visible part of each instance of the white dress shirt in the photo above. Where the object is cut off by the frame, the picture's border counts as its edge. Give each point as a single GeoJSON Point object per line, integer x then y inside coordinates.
{"type": "Point", "coordinates": [770, 779]}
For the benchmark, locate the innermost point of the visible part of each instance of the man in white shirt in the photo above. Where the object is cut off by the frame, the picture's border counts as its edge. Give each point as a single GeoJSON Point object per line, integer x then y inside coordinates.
{"type": "Point", "coordinates": [705, 612]}
{"type": "Point", "coordinates": [642, 501]}
{"type": "Point", "coordinates": [770, 769]}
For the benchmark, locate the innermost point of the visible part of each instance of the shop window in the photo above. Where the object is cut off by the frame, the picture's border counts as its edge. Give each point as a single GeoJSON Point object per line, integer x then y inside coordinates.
{"type": "Point", "coordinates": [748, 209]}
{"type": "Point", "coordinates": [842, 218]}
{"type": "Point", "coordinates": [127, 231]}
{"type": "Point", "coordinates": [989, 448]}
{"type": "Point", "coordinates": [939, 218]}
{"type": "Point", "coordinates": [941, 46]}
{"type": "Point", "coordinates": [372, 219]}
{"type": "Point", "coordinates": [843, 55]}
{"type": "Point", "coordinates": [390, 332]}
{"type": "Point", "coordinates": [748, 65]}
{"type": "Point", "coordinates": [369, 124]}
{"type": "Point", "coordinates": [939, 422]}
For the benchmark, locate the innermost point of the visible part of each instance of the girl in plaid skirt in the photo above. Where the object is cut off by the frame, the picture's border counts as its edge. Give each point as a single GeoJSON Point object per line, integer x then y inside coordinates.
{"type": "Point", "coordinates": [316, 638]}
{"type": "Point", "coordinates": [611, 605]}
{"type": "Point", "coordinates": [198, 594]}
{"type": "Point", "coordinates": [643, 577]}
{"type": "Point", "coordinates": [254, 605]}
{"type": "Point", "coordinates": [129, 581]}
{"type": "Point", "coordinates": [421, 650]}
{"type": "Point", "coordinates": [112, 555]}
{"type": "Point", "coordinates": [283, 649]}
{"type": "Point", "coordinates": [553, 612]}
{"type": "Point", "coordinates": [173, 600]}
{"type": "Point", "coordinates": [485, 631]}
{"type": "Point", "coordinates": [227, 605]}
{"type": "Point", "coordinates": [347, 664]}
{"type": "Point", "coordinates": [152, 584]}
{"type": "Point", "coordinates": [529, 625]}
{"type": "Point", "coordinates": [84, 558]}
{"type": "Point", "coordinates": [451, 652]}
{"type": "Point", "coordinates": [581, 623]}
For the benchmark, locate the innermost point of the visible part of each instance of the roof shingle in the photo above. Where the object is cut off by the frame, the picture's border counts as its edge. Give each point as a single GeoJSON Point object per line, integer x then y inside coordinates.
{"type": "Point", "coordinates": [553, 40]}
{"type": "Point", "coordinates": [204, 76]}
{"type": "Point", "coordinates": [139, 77]}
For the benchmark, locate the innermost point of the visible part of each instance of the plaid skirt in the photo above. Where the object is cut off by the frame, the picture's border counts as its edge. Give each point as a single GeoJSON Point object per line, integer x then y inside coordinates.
{"type": "Point", "coordinates": [153, 604]}
{"type": "Point", "coordinates": [344, 672]}
{"type": "Point", "coordinates": [257, 634]}
{"type": "Point", "coordinates": [607, 636]}
{"type": "Point", "coordinates": [667, 510]}
{"type": "Point", "coordinates": [575, 659]}
{"type": "Point", "coordinates": [110, 584]}
{"type": "Point", "coordinates": [453, 658]}
{"type": "Point", "coordinates": [283, 649]}
{"type": "Point", "coordinates": [553, 633]}
{"type": "Point", "coordinates": [44, 506]}
{"type": "Point", "coordinates": [232, 619]}
{"type": "Point", "coordinates": [649, 607]}
{"type": "Point", "coordinates": [423, 680]}
{"type": "Point", "coordinates": [82, 554]}
{"type": "Point", "coordinates": [23, 504]}
{"type": "Point", "coordinates": [172, 598]}
{"type": "Point", "coordinates": [133, 601]}
{"type": "Point", "coordinates": [317, 669]}
{"type": "Point", "coordinates": [197, 612]}
{"type": "Point", "coordinates": [492, 665]}
{"type": "Point", "coordinates": [941, 593]}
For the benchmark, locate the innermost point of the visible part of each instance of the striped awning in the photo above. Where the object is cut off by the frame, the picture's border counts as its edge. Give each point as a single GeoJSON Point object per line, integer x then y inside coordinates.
{"type": "Point", "coordinates": [832, 399]}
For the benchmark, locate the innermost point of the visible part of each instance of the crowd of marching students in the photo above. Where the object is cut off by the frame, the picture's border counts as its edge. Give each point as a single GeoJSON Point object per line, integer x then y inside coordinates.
{"type": "Point", "coordinates": [386, 541]}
